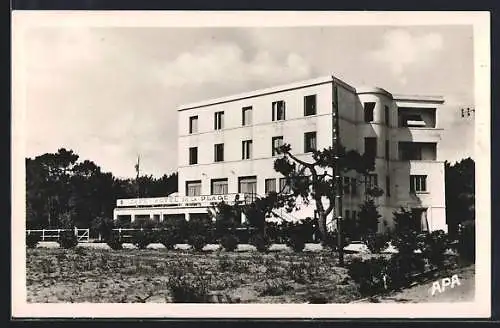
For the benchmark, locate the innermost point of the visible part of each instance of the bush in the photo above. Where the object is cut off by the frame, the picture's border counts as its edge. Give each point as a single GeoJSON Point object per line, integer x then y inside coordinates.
{"type": "Point", "coordinates": [229, 242]}
{"type": "Point", "coordinates": [261, 242]}
{"type": "Point", "coordinates": [369, 274]}
{"type": "Point", "coordinates": [141, 239]}
{"type": "Point", "coordinates": [167, 238]}
{"type": "Point", "coordinates": [103, 226]}
{"type": "Point", "coordinates": [32, 240]}
{"type": "Point", "coordinates": [434, 246]}
{"type": "Point", "coordinates": [296, 242]}
{"type": "Point", "coordinates": [199, 232]}
{"type": "Point", "coordinates": [188, 288]}
{"type": "Point", "coordinates": [377, 242]}
{"type": "Point", "coordinates": [198, 242]}
{"type": "Point", "coordinates": [174, 231]}
{"type": "Point", "coordinates": [67, 239]}
{"type": "Point", "coordinates": [114, 241]}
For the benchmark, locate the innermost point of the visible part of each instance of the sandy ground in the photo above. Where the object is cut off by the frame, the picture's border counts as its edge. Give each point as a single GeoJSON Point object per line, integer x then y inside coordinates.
{"type": "Point", "coordinates": [56, 275]}
{"type": "Point", "coordinates": [422, 293]}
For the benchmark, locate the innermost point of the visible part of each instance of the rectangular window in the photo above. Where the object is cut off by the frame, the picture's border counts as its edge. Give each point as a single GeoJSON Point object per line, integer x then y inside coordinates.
{"type": "Point", "coordinates": [218, 152]}
{"type": "Point", "coordinates": [284, 186]}
{"type": "Point", "coordinates": [246, 117]}
{"type": "Point", "coordinates": [372, 181]}
{"type": "Point", "coordinates": [347, 214]}
{"type": "Point", "coordinates": [219, 121]}
{"type": "Point", "coordinates": [309, 142]}
{"type": "Point", "coordinates": [193, 155]}
{"type": "Point", "coordinates": [387, 115]}
{"type": "Point", "coordinates": [371, 146]}
{"type": "Point", "coordinates": [310, 105]}
{"type": "Point", "coordinates": [418, 183]}
{"type": "Point", "coordinates": [347, 185]}
{"type": "Point", "coordinates": [193, 124]}
{"type": "Point", "coordinates": [354, 215]}
{"type": "Point", "coordinates": [278, 110]}
{"type": "Point", "coordinates": [246, 149]}
{"type": "Point", "coordinates": [193, 188]}
{"type": "Point", "coordinates": [387, 150]}
{"type": "Point", "coordinates": [270, 186]}
{"type": "Point", "coordinates": [388, 186]}
{"type": "Point", "coordinates": [276, 143]}
{"type": "Point", "coordinates": [218, 186]}
{"type": "Point", "coordinates": [247, 185]}
{"type": "Point", "coordinates": [368, 110]}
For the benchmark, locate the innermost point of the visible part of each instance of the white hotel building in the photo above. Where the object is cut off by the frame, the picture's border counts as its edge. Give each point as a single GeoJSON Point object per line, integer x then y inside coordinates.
{"type": "Point", "coordinates": [226, 146]}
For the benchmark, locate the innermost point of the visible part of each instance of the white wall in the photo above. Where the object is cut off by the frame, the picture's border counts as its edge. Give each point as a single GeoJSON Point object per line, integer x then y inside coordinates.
{"type": "Point", "coordinates": [261, 132]}
{"type": "Point", "coordinates": [353, 130]}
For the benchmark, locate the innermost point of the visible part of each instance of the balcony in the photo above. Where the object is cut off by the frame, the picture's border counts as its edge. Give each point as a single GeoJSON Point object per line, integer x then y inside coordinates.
{"type": "Point", "coordinates": [411, 117]}
{"type": "Point", "coordinates": [417, 151]}
{"type": "Point", "coordinates": [416, 134]}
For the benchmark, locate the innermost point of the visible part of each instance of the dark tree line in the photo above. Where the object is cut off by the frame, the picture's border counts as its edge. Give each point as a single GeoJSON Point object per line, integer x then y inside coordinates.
{"type": "Point", "coordinates": [62, 191]}
{"type": "Point", "coordinates": [460, 193]}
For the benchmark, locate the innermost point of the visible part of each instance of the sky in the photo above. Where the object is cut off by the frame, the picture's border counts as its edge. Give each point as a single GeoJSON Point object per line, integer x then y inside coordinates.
{"type": "Point", "coordinates": [111, 93]}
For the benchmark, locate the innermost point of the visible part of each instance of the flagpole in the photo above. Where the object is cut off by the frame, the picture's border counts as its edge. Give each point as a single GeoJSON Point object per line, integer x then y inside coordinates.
{"type": "Point", "coordinates": [137, 169]}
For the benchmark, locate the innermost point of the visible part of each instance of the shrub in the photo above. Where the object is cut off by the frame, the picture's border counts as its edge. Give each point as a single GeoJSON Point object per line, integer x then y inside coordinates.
{"type": "Point", "coordinates": [331, 241]}
{"type": "Point", "coordinates": [141, 239]}
{"type": "Point", "coordinates": [103, 226]}
{"type": "Point", "coordinates": [369, 274]}
{"type": "Point", "coordinates": [32, 240]}
{"type": "Point", "coordinates": [434, 246]}
{"type": "Point", "coordinates": [167, 238]}
{"type": "Point", "coordinates": [67, 239]}
{"type": "Point", "coordinates": [296, 242]}
{"type": "Point", "coordinates": [188, 288]}
{"type": "Point", "coordinates": [114, 241]}
{"type": "Point", "coordinates": [199, 232]}
{"type": "Point", "coordinates": [229, 242]}
{"type": "Point", "coordinates": [197, 242]}
{"type": "Point", "coordinates": [261, 242]}
{"type": "Point", "coordinates": [377, 242]}
{"type": "Point", "coordinates": [174, 231]}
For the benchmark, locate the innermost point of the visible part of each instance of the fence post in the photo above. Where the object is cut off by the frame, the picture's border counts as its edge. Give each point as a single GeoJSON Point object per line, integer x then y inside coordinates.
{"type": "Point", "coordinates": [43, 234]}
{"type": "Point", "coordinates": [58, 233]}
{"type": "Point", "coordinates": [119, 234]}
{"type": "Point", "coordinates": [76, 232]}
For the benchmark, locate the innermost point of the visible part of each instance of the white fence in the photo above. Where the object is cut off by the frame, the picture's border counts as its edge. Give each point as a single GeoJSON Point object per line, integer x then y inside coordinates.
{"type": "Point", "coordinates": [83, 235]}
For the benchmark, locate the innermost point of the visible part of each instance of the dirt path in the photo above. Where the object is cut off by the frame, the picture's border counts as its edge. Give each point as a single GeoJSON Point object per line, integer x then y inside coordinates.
{"type": "Point", "coordinates": [423, 293]}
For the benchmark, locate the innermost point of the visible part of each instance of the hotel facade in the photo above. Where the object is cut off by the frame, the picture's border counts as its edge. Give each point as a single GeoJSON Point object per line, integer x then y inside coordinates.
{"type": "Point", "coordinates": [226, 150]}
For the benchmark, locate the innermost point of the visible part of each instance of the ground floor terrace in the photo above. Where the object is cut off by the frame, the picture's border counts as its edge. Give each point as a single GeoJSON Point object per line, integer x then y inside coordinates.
{"type": "Point", "coordinates": [426, 218]}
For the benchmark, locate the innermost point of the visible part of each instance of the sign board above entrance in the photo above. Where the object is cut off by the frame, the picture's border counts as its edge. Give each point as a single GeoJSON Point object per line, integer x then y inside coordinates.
{"type": "Point", "coordinates": [180, 200]}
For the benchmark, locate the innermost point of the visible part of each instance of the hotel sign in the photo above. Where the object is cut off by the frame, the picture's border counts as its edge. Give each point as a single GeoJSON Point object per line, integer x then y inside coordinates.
{"type": "Point", "coordinates": [180, 200]}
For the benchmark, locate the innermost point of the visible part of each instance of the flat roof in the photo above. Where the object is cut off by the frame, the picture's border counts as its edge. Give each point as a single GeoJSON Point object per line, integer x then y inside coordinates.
{"type": "Point", "coordinates": [266, 91]}
{"type": "Point", "coordinates": [419, 98]}
{"type": "Point", "coordinates": [312, 82]}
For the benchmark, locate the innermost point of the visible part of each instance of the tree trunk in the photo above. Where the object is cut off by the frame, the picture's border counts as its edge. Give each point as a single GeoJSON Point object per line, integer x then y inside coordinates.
{"type": "Point", "coordinates": [323, 233]}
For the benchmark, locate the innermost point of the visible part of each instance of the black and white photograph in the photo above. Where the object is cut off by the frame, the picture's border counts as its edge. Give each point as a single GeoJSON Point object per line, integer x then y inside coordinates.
{"type": "Point", "coordinates": [268, 164]}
